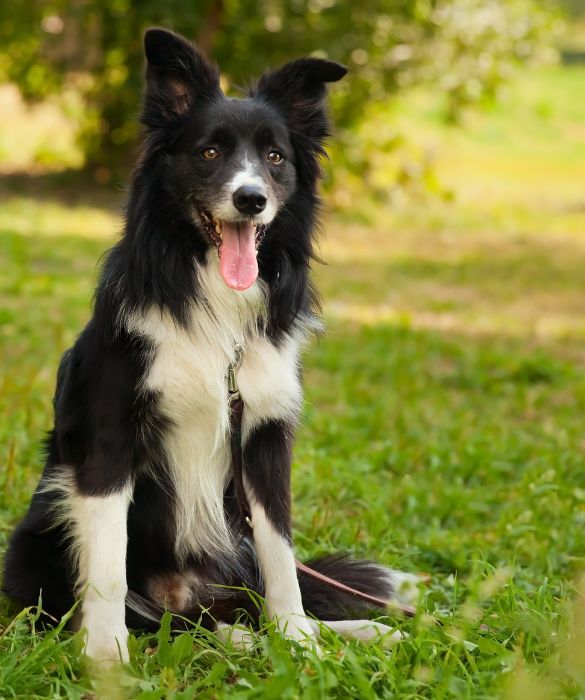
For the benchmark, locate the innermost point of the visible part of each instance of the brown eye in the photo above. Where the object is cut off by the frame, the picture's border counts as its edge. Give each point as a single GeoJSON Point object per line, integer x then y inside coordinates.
{"type": "Point", "coordinates": [210, 153]}
{"type": "Point", "coordinates": [275, 157]}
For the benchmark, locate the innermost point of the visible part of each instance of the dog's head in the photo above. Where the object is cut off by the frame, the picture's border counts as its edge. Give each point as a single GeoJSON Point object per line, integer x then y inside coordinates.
{"type": "Point", "coordinates": [234, 162]}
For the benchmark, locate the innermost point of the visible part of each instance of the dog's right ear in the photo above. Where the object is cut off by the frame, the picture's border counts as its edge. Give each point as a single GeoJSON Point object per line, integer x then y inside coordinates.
{"type": "Point", "coordinates": [176, 76]}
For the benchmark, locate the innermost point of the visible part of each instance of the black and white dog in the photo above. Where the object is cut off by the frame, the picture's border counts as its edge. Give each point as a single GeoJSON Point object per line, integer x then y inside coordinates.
{"type": "Point", "coordinates": [136, 509]}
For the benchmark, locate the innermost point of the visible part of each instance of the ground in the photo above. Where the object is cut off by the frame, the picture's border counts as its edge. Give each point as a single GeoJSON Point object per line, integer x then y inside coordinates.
{"type": "Point", "coordinates": [443, 430]}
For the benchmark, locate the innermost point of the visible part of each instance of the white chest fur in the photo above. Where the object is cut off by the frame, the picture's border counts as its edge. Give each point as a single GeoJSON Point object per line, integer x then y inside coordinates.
{"type": "Point", "coordinates": [189, 373]}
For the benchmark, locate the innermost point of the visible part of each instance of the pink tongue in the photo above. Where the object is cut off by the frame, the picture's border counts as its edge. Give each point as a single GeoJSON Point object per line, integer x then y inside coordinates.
{"type": "Point", "coordinates": [238, 263]}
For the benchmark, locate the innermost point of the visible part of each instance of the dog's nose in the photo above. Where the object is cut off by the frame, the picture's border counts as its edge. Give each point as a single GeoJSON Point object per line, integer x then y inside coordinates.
{"type": "Point", "coordinates": [249, 200]}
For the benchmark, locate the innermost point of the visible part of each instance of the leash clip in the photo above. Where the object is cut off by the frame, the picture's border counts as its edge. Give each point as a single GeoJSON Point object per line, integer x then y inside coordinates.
{"type": "Point", "coordinates": [232, 378]}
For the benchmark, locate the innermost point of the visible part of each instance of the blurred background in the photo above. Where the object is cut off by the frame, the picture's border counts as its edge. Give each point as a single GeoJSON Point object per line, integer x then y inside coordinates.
{"type": "Point", "coordinates": [444, 419]}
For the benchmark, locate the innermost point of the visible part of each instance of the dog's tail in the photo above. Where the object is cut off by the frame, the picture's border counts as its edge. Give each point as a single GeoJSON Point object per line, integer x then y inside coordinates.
{"type": "Point", "coordinates": [222, 605]}
{"type": "Point", "coordinates": [326, 602]}
{"type": "Point", "coordinates": [320, 599]}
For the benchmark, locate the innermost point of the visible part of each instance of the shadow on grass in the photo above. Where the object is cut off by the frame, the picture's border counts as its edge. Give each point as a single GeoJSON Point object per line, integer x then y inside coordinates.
{"type": "Point", "coordinates": [531, 290]}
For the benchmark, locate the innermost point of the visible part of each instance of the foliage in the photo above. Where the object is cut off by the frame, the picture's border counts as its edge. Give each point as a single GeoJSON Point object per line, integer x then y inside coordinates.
{"type": "Point", "coordinates": [574, 7]}
{"type": "Point", "coordinates": [467, 47]}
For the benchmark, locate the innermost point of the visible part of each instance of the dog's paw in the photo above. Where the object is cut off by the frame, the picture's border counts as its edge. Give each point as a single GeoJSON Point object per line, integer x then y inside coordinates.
{"type": "Point", "coordinates": [107, 641]}
{"type": "Point", "coordinates": [295, 626]}
{"type": "Point", "coordinates": [361, 630]}
{"type": "Point", "coordinates": [298, 628]}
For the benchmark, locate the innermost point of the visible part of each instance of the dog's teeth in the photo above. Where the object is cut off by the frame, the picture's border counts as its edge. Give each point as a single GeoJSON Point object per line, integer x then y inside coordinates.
{"type": "Point", "coordinates": [217, 227]}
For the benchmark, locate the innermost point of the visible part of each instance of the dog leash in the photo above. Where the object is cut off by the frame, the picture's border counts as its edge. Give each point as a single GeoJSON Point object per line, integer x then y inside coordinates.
{"type": "Point", "coordinates": [236, 413]}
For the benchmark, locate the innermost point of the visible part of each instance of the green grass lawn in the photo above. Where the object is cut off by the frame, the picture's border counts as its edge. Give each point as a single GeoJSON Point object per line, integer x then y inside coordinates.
{"type": "Point", "coordinates": [444, 426]}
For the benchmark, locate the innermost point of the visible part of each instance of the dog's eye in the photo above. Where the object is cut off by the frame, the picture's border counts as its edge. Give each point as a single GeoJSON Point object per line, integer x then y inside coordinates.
{"type": "Point", "coordinates": [210, 153]}
{"type": "Point", "coordinates": [275, 157]}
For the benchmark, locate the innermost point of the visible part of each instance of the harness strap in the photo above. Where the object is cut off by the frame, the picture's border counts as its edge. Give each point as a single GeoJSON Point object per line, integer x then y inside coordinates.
{"type": "Point", "coordinates": [236, 413]}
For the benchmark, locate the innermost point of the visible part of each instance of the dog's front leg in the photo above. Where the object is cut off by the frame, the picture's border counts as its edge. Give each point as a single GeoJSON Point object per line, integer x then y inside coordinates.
{"type": "Point", "coordinates": [281, 585]}
{"type": "Point", "coordinates": [100, 540]}
{"type": "Point", "coordinates": [267, 459]}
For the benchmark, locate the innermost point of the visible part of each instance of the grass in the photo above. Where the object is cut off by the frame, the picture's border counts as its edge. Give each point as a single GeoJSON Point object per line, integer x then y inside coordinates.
{"type": "Point", "coordinates": [443, 428]}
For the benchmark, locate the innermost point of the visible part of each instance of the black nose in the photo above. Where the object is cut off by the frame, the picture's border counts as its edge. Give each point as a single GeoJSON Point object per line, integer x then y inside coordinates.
{"type": "Point", "coordinates": [249, 200]}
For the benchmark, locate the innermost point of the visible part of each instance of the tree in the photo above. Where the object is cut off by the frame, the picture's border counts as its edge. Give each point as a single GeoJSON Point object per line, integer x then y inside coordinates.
{"type": "Point", "coordinates": [468, 47]}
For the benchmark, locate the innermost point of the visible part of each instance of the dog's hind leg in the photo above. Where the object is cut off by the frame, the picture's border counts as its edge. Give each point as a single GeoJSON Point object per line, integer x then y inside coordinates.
{"type": "Point", "coordinates": [242, 637]}
{"type": "Point", "coordinates": [362, 630]}
{"type": "Point", "coordinates": [36, 568]}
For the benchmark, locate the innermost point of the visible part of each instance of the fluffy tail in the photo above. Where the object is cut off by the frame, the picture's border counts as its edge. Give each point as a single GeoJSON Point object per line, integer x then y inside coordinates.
{"type": "Point", "coordinates": [319, 599]}
{"type": "Point", "coordinates": [327, 603]}
{"type": "Point", "coordinates": [226, 605]}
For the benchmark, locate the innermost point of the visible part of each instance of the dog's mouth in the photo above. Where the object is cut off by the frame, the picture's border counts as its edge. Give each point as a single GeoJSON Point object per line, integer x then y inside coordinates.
{"type": "Point", "coordinates": [237, 244]}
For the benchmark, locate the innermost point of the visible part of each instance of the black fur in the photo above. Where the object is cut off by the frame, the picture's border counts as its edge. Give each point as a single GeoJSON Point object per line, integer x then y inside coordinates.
{"type": "Point", "coordinates": [106, 430]}
{"type": "Point", "coordinates": [267, 460]}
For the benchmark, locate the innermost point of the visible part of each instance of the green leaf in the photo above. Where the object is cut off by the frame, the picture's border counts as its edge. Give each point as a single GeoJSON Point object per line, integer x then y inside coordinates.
{"type": "Point", "coordinates": [182, 646]}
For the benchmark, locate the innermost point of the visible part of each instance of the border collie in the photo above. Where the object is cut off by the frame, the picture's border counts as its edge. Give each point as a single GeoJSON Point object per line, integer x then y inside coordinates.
{"type": "Point", "coordinates": [137, 511]}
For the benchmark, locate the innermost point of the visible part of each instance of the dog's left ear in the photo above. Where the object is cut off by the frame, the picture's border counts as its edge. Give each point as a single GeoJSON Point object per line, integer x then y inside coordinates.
{"type": "Point", "coordinates": [176, 76]}
{"type": "Point", "coordinates": [299, 89]}
{"type": "Point", "coordinates": [300, 81]}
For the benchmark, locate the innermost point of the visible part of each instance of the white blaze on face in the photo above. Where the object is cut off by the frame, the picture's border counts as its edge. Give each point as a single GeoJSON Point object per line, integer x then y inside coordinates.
{"type": "Point", "coordinates": [247, 176]}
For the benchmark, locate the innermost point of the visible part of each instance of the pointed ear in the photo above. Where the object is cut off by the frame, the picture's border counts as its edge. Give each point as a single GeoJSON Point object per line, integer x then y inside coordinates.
{"type": "Point", "coordinates": [300, 81]}
{"type": "Point", "coordinates": [176, 76]}
{"type": "Point", "coordinates": [299, 90]}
